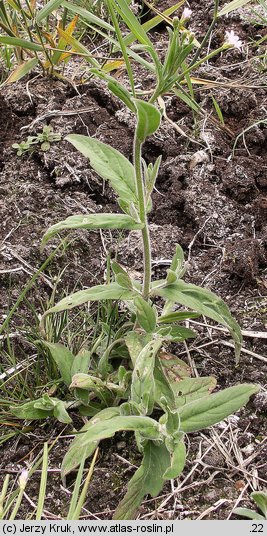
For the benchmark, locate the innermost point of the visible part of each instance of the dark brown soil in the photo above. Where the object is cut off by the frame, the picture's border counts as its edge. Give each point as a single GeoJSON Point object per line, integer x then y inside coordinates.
{"type": "Point", "coordinates": [210, 200]}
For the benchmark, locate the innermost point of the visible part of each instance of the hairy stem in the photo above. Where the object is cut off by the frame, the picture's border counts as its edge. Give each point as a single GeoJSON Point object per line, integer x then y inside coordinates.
{"type": "Point", "coordinates": [143, 217]}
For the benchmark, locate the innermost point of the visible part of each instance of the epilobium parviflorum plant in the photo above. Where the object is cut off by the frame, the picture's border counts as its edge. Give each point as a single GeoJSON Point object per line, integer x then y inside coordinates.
{"type": "Point", "coordinates": [124, 379]}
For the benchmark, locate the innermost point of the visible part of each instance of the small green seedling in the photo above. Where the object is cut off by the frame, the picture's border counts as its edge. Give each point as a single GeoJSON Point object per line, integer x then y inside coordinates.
{"type": "Point", "coordinates": [260, 498]}
{"type": "Point", "coordinates": [44, 139]}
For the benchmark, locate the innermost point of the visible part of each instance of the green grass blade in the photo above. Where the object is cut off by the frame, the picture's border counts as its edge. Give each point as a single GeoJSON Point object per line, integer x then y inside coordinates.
{"type": "Point", "coordinates": [132, 22]}
{"type": "Point", "coordinates": [3, 495]}
{"type": "Point", "coordinates": [27, 288]}
{"type": "Point", "coordinates": [82, 498]}
{"type": "Point", "coordinates": [51, 6]}
{"type": "Point", "coordinates": [93, 19]}
{"type": "Point", "coordinates": [110, 4]}
{"type": "Point", "coordinates": [21, 71]}
{"type": "Point", "coordinates": [43, 483]}
{"type": "Point", "coordinates": [22, 43]}
{"type": "Point", "coordinates": [218, 110]}
{"type": "Point", "coordinates": [152, 23]}
{"type": "Point", "coordinates": [235, 4]}
{"type": "Point", "coordinates": [77, 46]}
{"type": "Point", "coordinates": [75, 494]}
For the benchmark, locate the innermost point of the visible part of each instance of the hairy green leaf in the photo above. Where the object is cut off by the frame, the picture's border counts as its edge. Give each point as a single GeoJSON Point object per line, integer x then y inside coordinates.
{"type": "Point", "coordinates": [209, 410]}
{"type": "Point", "coordinates": [178, 459]}
{"type": "Point", "coordinates": [63, 359]}
{"type": "Point", "coordinates": [204, 302]}
{"type": "Point", "coordinates": [178, 333]}
{"type": "Point", "coordinates": [178, 262]}
{"type": "Point", "coordinates": [148, 479]}
{"type": "Point", "coordinates": [105, 424]}
{"type": "Point", "coordinates": [89, 382]}
{"type": "Point", "coordinates": [250, 514]}
{"type": "Point", "coordinates": [148, 119]}
{"type": "Point", "coordinates": [135, 343]}
{"type": "Point", "coordinates": [260, 498]}
{"type": "Point", "coordinates": [30, 412]}
{"type": "Point", "coordinates": [146, 315]}
{"type": "Point", "coordinates": [81, 362]}
{"type": "Point", "coordinates": [92, 221]}
{"type": "Point", "coordinates": [113, 291]}
{"type": "Point", "coordinates": [61, 414]}
{"type": "Point", "coordinates": [73, 457]}
{"type": "Point", "coordinates": [122, 93]}
{"type": "Point", "coordinates": [143, 383]}
{"type": "Point", "coordinates": [109, 163]}
{"type": "Point", "coordinates": [164, 393]}
{"type": "Point", "coordinates": [191, 389]}
{"type": "Point", "coordinates": [177, 316]}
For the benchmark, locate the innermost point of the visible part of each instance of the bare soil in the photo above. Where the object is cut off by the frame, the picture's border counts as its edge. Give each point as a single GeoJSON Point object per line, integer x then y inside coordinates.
{"type": "Point", "coordinates": [210, 200]}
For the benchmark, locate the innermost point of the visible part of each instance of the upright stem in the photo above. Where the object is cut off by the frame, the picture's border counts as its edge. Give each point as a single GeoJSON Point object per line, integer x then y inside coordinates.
{"type": "Point", "coordinates": [207, 36]}
{"type": "Point", "coordinates": [143, 217]}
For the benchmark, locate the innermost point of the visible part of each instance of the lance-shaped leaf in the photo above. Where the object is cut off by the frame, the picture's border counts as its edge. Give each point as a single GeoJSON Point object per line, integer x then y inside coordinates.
{"type": "Point", "coordinates": [63, 359]}
{"type": "Point", "coordinates": [92, 221]}
{"type": "Point", "coordinates": [177, 316]}
{"type": "Point", "coordinates": [81, 362]}
{"type": "Point", "coordinates": [109, 163]}
{"type": "Point", "coordinates": [135, 343]}
{"type": "Point", "coordinates": [164, 394]}
{"type": "Point", "coordinates": [115, 87]}
{"type": "Point", "coordinates": [214, 408]}
{"type": "Point", "coordinates": [148, 480]}
{"type": "Point", "coordinates": [29, 411]}
{"type": "Point", "coordinates": [260, 498]}
{"type": "Point", "coordinates": [89, 382]}
{"type": "Point", "coordinates": [148, 119]}
{"type": "Point", "coordinates": [205, 302]}
{"type": "Point", "coordinates": [61, 414]}
{"type": "Point", "coordinates": [191, 389]}
{"type": "Point", "coordinates": [143, 383]}
{"type": "Point", "coordinates": [177, 333]}
{"type": "Point", "coordinates": [178, 459]}
{"type": "Point", "coordinates": [148, 427]}
{"type": "Point", "coordinates": [146, 314]}
{"type": "Point", "coordinates": [73, 457]}
{"type": "Point", "coordinates": [105, 425]}
{"type": "Point", "coordinates": [250, 514]}
{"type": "Point", "coordinates": [121, 276]}
{"type": "Point", "coordinates": [113, 291]}
{"type": "Point", "coordinates": [42, 408]}
{"type": "Point", "coordinates": [122, 93]}
{"type": "Point", "coordinates": [150, 176]}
